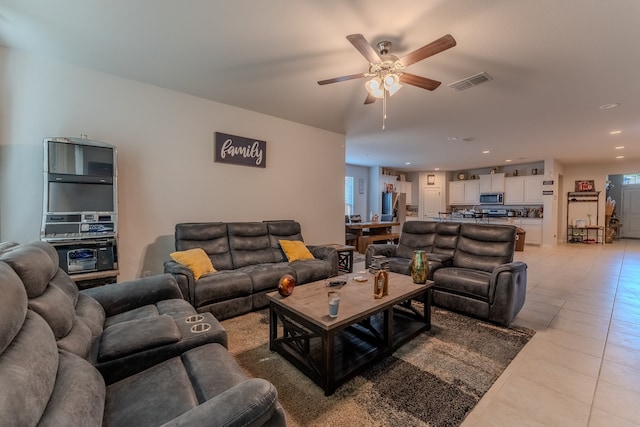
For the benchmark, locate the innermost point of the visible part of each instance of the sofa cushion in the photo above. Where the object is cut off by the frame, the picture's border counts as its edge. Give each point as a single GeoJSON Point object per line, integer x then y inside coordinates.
{"type": "Point", "coordinates": [484, 248]}
{"type": "Point", "coordinates": [463, 281]}
{"type": "Point", "coordinates": [135, 336]}
{"type": "Point", "coordinates": [200, 374]}
{"type": "Point", "coordinates": [446, 239]}
{"type": "Point", "coordinates": [196, 259]}
{"type": "Point", "coordinates": [416, 235]}
{"type": "Point", "coordinates": [282, 230]}
{"type": "Point", "coordinates": [210, 236]}
{"type": "Point", "coordinates": [310, 270]}
{"type": "Point", "coordinates": [249, 244]}
{"type": "Point", "coordinates": [222, 285]}
{"type": "Point", "coordinates": [79, 339]}
{"type": "Point", "coordinates": [175, 308]}
{"type": "Point", "coordinates": [78, 395]}
{"type": "Point", "coordinates": [266, 276]}
{"type": "Point", "coordinates": [28, 368]}
{"type": "Point", "coordinates": [34, 265]}
{"type": "Point", "coordinates": [295, 250]}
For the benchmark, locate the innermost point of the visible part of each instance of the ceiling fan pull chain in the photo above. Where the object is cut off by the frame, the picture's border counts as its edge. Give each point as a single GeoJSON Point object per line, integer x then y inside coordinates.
{"type": "Point", "coordinates": [384, 107]}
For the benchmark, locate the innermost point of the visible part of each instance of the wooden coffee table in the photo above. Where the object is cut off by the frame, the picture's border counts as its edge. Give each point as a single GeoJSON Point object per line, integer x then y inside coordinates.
{"type": "Point", "coordinates": [332, 350]}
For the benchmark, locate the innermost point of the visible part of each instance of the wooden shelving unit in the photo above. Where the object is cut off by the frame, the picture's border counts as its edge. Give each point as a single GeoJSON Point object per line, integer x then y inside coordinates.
{"type": "Point", "coordinates": [588, 233]}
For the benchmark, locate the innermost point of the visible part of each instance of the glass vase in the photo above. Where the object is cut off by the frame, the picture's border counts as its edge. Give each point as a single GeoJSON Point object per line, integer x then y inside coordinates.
{"type": "Point", "coordinates": [419, 267]}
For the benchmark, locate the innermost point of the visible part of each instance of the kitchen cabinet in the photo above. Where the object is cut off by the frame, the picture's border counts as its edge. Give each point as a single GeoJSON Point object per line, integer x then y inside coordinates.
{"type": "Point", "coordinates": [492, 183]}
{"type": "Point", "coordinates": [523, 190]}
{"type": "Point", "coordinates": [533, 229]}
{"type": "Point", "coordinates": [464, 192]}
{"type": "Point", "coordinates": [533, 189]}
{"type": "Point", "coordinates": [514, 190]}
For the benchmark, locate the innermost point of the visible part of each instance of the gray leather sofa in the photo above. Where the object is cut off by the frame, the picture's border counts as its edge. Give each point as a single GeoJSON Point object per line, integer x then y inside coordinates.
{"type": "Point", "coordinates": [249, 263]}
{"type": "Point", "coordinates": [471, 265]}
{"type": "Point", "coordinates": [43, 384]}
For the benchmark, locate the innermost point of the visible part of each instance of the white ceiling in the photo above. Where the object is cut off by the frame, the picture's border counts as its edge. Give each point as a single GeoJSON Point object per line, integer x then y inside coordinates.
{"type": "Point", "coordinates": [553, 63]}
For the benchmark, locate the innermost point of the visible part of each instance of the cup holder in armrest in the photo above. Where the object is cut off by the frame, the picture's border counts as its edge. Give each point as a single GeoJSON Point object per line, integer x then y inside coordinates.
{"type": "Point", "coordinates": [200, 327]}
{"type": "Point", "coordinates": [195, 318]}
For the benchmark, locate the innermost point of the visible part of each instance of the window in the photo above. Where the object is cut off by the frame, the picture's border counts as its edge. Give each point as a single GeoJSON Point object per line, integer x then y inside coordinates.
{"type": "Point", "coordinates": [633, 178]}
{"type": "Point", "coordinates": [348, 195]}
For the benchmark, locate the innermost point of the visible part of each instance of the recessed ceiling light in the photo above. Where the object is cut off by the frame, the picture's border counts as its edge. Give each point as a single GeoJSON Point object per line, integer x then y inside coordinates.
{"type": "Point", "coordinates": [508, 160]}
{"type": "Point", "coordinates": [609, 106]}
{"type": "Point", "coordinates": [615, 132]}
{"type": "Point", "coordinates": [619, 147]}
{"type": "Point", "coordinates": [452, 138]}
{"type": "Point", "coordinates": [486, 152]}
{"type": "Point", "coordinates": [619, 157]}
{"type": "Point", "coordinates": [437, 169]}
{"type": "Point", "coordinates": [407, 163]}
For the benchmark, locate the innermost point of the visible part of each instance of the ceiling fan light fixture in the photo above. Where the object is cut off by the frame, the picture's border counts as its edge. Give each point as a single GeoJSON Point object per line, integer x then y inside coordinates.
{"type": "Point", "coordinates": [375, 87]}
{"type": "Point", "coordinates": [392, 83]}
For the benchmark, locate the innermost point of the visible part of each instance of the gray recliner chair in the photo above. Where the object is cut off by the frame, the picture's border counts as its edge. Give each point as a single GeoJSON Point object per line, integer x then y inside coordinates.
{"type": "Point", "coordinates": [41, 384]}
{"type": "Point", "coordinates": [121, 328]}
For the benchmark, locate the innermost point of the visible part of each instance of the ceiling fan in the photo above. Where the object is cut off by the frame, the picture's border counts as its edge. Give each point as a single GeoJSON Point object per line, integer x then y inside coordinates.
{"type": "Point", "coordinates": [387, 71]}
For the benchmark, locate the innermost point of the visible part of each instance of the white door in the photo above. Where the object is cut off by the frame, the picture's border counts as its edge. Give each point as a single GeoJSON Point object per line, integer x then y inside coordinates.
{"type": "Point", "coordinates": [631, 211]}
{"type": "Point", "coordinates": [430, 202]}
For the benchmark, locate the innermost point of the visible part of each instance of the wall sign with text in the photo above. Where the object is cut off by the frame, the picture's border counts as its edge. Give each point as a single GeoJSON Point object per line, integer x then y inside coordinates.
{"type": "Point", "coordinates": [238, 150]}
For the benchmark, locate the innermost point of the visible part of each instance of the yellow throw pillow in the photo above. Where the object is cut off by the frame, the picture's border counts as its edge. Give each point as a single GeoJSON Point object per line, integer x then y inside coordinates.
{"type": "Point", "coordinates": [295, 250]}
{"type": "Point", "coordinates": [196, 259]}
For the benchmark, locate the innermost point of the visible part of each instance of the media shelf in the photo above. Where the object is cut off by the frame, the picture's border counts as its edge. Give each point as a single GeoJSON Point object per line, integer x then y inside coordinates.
{"type": "Point", "coordinates": [587, 233]}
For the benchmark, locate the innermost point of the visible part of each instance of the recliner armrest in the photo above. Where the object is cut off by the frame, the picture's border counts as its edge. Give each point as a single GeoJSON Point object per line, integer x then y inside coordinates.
{"type": "Point", "coordinates": [117, 298]}
{"type": "Point", "coordinates": [253, 402]}
{"type": "Point", "coordinates": [184, 277]}
{"type": "Point", "coordinates": [511, 267]}
{"type": "Point", "coordinates": [328, 254]}
{"type": "Point", "coordinates": [507, 291]}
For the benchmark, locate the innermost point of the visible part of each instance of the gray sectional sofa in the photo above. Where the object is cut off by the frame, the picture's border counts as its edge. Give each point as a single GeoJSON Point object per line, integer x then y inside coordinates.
{"type": "Point", "coordinates": [249, 263]}
{"type": "Point", "coordinates": [471, 265]}
{"type": "Point", "coordinates": [121, 354]}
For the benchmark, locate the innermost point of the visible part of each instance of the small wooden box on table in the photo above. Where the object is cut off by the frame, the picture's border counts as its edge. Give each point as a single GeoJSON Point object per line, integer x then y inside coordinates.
{"type": "Point", "coordinates": [329, 350]}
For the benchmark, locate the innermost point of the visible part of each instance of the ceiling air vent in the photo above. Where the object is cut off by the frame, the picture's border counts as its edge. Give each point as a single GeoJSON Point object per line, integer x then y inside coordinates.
{"type": "Point", "coordinates": [469, 82]}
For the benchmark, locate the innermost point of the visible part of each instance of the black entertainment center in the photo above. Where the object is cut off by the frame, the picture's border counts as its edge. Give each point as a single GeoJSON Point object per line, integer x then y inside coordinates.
{"type": "Point", "coordinates": [80, 208]}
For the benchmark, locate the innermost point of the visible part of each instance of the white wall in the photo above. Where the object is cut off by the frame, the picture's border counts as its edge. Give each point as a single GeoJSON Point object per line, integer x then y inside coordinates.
{"type": "Point", "coordinates": [165, 154]}
{"type": "Point", "coordinates": [359, 200]}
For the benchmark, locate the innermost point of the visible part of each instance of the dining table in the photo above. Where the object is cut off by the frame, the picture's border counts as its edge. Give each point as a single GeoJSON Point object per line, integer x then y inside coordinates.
{"type": "Point", "coordinates": [377, 232]}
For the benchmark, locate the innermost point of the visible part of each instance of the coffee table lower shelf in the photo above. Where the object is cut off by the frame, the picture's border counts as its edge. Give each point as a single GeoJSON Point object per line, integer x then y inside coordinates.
{"type": "Point", "coordinates": [332, 357]}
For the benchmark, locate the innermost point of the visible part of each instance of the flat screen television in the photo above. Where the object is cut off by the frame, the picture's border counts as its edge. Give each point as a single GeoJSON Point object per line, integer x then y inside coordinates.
{"type": "Point", "coordinates": [80, 176]}
{"type": "Point", "coordinates": [79, 159]}
{"type": "Point", "coordinates": [80, 197]}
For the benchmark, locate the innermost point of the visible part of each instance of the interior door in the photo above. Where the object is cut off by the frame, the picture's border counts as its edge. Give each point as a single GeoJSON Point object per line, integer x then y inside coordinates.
{"type": "Point", "coordinates": [631, 211]}
{"type": "Point", "coordinates": [430, 202]}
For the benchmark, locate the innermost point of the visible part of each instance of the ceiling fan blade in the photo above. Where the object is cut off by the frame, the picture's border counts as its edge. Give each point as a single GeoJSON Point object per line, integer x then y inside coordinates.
{"type": "Point", "coordinates": [363, 46]}
{"type": "Point", "coordinates": [436, 46]}
{"type": "Point", "coordinates": [370, 99]}
{"type": "Point", "coordinates": [422, 82]}
{"type": "Point", "coordinates": [341, 79]}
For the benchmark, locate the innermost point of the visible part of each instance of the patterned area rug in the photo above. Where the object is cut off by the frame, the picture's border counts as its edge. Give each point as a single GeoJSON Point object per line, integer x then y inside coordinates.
{"type": "Point", "coordinates": [434, 380]}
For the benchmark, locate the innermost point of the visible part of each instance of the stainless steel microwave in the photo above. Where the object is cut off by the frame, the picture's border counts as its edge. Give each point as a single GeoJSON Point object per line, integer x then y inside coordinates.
{"type": "Point", "coordinates": [492, 198]}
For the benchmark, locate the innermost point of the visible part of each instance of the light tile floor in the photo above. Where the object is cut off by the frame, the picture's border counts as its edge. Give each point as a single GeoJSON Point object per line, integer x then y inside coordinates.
{"type": "Point", "coordinates": [582, 368]}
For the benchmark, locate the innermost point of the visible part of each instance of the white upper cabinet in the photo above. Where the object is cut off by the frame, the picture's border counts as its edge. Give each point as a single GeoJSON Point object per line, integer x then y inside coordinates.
{"type": "Point", "coordinates": [533, 189]}
{"type": "Point", "coordinates": [464, 192]}
{"type": "Point", "coordinates": [523, 190]}
{"type": "Point", "coordinates": [492, 183]}
{"type": "Point", "coordinates": [472, 192]}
